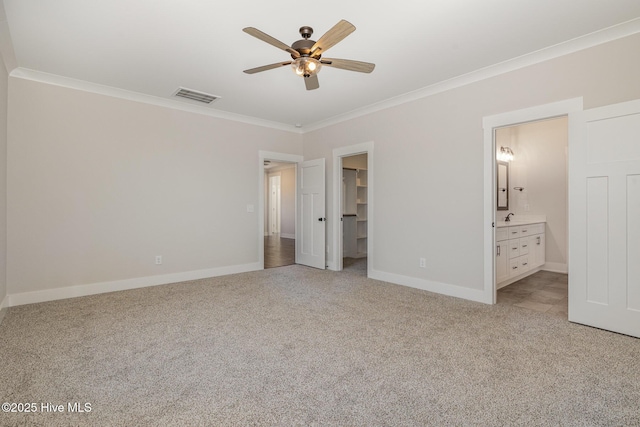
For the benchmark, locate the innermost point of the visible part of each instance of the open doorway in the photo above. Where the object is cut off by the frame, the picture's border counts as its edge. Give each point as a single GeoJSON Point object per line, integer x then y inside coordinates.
{"type": "Point", "coordinates": [532, 216]}
{"type": "Point", "coordinates": [354, 203]}
{"type": "Point", "coordinates": [353, 208]}
{"type": "Point", "coordinates": [491, 214]}
{"type": "Point", "coordinates": [268, 160]}
{"type": "Point", "coordinates": [279, 213]}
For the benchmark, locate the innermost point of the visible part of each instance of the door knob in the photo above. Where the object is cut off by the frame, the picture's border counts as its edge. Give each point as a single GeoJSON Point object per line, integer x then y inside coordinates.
{"type": "Point", "coordinates": [322, 219]}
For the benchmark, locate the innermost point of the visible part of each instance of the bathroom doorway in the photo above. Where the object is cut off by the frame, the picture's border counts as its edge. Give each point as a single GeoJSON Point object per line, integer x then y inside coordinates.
{"type": "Point", "coordinates": [531, 216]}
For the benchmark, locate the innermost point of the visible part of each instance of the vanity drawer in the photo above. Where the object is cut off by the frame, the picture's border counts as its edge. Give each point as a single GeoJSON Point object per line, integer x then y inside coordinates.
{"type": "Point", "coordinates": [514, 248]}
{"type": "Point", "coordinates": [524, 246]}
{"type": "Point", "coordinates": [514, 267]}
{"type": "Point", "coordinates": [502, 233]}
{"type": "Point", "coordinates": [514, 232]}
{"type": "Point", "coordinates": [528, 230]}
{"type": "Point", "coordinates": [537, 228]}
{"type": "Point", "coordinates": [519, 265]}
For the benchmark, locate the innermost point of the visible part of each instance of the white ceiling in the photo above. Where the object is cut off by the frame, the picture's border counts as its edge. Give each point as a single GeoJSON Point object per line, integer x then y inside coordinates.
{"type": "Point", "coordinates": [153, 47]}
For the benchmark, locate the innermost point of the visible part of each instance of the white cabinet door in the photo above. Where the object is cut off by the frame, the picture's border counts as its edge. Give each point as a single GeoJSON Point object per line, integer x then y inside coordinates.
{"type": "Point", "coordinates": [536, 252]}
{"type": "Point", "coordinates": [502, 261]}
{"type": "Point", "coordinates": [604, 218]}
{"type": "Point", "coordinates": [537, 246]}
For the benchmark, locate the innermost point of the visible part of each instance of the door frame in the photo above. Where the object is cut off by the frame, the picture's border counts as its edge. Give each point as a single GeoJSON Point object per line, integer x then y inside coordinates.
{"type": "Point", "coordinates": [489, 124]}
{"type": "Point", "coordinates": [276, 157]}
{"type": "Point", "coordinates": [338, 154]}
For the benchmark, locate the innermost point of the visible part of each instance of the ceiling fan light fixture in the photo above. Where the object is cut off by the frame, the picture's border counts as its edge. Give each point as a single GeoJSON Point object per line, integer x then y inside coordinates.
{"type": "Point", "coordinates": [306, 66]}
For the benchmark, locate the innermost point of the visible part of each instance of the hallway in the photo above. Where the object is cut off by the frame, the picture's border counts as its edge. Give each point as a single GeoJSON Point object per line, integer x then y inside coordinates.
{"type": "Point", "coordinates": [279, 251]}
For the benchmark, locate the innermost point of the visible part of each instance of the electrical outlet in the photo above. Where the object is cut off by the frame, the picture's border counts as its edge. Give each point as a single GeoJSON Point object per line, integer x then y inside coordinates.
{"type": "Point", "coordinates": [423, 263]}
{"type": "Point", "coordinates": [158, 259]}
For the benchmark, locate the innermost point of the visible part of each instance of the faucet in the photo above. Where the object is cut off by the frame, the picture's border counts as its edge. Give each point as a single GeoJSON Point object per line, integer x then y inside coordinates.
{"type": "Point", "coordinates": [507, 217]}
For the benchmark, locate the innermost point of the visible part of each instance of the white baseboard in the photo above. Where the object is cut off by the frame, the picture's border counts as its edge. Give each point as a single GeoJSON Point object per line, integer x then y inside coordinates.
{"type": "Point", "coordinates": [123, 285]}
{"type": "Point", "coordinates": [283, 235]}
{"type": "Point", "coordinates": [555, 267]}
{"type": "Point", "coordinates": [431, 286]}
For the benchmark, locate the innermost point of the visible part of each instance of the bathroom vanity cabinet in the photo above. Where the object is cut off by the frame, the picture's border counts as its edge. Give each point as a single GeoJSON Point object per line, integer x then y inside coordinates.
{"type": "Point", "coordinates": [520, 251]}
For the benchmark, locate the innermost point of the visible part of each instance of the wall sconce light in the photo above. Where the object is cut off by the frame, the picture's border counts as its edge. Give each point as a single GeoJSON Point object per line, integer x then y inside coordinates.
{"type": "Point", "coordinates": [505, 154]}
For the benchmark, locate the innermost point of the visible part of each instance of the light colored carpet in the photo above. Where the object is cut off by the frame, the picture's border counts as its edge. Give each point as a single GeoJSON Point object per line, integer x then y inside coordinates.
{"type": "Point", "coordinates": [296, 346]}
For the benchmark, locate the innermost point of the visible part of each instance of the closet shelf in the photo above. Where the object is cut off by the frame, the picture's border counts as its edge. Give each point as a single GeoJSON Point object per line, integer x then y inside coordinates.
{"type": "Point", "coordinates": [354, 199]}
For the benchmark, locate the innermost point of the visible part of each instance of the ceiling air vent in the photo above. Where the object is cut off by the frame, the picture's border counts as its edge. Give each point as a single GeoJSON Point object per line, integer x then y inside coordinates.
{"type": "Point", "coordinates": [193, 95]}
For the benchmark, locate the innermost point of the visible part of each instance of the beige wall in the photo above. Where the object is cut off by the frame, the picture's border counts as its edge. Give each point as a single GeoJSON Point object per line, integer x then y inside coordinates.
{"type": "Point", "coordinates": [428, 161]}
{"type": "Point", "coordinates": [98, 186]}
{"type": "Point", "coordinates": [540, 167]}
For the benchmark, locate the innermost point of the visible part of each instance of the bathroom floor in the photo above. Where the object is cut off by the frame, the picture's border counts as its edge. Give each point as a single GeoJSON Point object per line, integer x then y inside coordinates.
{"type": "Point", "coordinates": [543, 291]}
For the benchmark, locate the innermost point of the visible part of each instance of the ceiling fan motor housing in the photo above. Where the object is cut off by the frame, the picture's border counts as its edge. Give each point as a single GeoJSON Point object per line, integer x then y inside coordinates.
{"type": "Point", "coordinates": [306, 32]}
{"type": "Point", "coordinates": [303, 47]}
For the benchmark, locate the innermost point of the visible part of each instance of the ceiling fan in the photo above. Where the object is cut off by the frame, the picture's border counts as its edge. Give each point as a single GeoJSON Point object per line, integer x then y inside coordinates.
{"type": "Point", "coordinates": [306, 54]}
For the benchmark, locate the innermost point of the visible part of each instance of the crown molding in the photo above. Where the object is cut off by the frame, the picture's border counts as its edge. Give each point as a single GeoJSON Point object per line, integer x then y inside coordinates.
{"type": "Point", "coordinates": [575, 45]}
{"type": "Point", "coordinates": [56, 80]}
{"type": "Point", "coordinates": [571, 46]}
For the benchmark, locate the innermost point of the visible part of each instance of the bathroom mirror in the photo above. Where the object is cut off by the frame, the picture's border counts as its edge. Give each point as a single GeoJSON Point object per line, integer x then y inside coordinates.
{"type": "Point", "coordinates": [502, 180]}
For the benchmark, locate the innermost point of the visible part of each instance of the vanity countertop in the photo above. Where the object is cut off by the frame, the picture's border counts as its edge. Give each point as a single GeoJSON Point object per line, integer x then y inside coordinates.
{"type": "Point", "coordinates": [515, 222]}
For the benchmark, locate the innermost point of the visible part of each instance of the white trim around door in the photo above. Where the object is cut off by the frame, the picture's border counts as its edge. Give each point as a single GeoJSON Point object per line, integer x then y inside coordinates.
{"type": "Point", "coordinates": [338, 154]}
{"type": "Point", "coordinates": [490, 123]}
{"type": "Point", "coordinates": [278, 157]}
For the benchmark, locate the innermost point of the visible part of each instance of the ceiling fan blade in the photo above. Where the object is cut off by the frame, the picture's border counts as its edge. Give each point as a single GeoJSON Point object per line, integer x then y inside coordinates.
{"type": "Point", "coordinates": [267, 67]}
{"type": "Point", "coordinates": [312, 82]}
{"type": "Point", "coordinates": [272, 41]}
{"type": "Point", "coordinates": [338, 32]}
{"type": "Point", "coordinates": [348, 64]}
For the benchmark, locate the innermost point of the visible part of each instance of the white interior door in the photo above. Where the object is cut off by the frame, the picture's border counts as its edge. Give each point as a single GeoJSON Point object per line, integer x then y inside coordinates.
{"type": "Point", "coordinates": [274, 204]}
{"type": "Point", "coordinates": [310, 246]}
{"type": "Point", "coordinates": [604, 218]}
